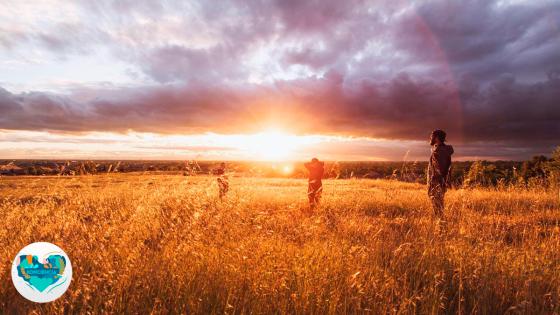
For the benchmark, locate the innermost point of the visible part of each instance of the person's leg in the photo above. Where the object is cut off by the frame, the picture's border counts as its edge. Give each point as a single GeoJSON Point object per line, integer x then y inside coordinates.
{"type": "Point", "coordinates": [314, 191]}
{"type": "Point", "coordinates": [440, 214]}
{"type": "Point", "coordinates": [226, 185]}
{"type": "Point", "coordinates": [221, 187]}
{"type": "Point", "coordinates": [311, 195]}
{"type": "Point", "coordinates": [436, 194]}
{"type": "Point", "coordinates": [318, 193]}
{"type": "Point", "coordinates": [312, 203]}
{"type": "Point", "coordinates": [437, 204]}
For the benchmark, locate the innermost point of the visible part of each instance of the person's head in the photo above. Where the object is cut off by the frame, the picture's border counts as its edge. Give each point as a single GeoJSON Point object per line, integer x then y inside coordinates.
{"type": "Point", "coordinates": [437, 137]}
{"type": "Point", "coordinates": [314, 160]}
{"type": "Point", "coordinates": [223, 165]}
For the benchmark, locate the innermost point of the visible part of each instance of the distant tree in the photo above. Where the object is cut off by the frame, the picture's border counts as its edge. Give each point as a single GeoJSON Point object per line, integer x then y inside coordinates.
{"type": "Point", "coordinates": [553, 167]}
{"type": "Point", "coordinates": [536, 168]}
{"type": "Point", "coordinates": [475, 175]}
{"type": "Point", "coordinates": [554, 163]}
{"type": "Point", "coordinates": [482, 173]}
{"type": "Point", "coordinates": [31, 170]}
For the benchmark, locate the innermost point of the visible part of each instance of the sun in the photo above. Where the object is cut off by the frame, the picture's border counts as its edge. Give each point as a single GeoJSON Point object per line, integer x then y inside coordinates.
{"type": "Point", "coordinates": [273, 145]}
{"type": "Point", "coordinates": [287, 169]}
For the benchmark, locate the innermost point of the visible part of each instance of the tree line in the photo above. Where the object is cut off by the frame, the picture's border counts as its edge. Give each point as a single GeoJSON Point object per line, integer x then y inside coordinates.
{"type": "Point", "coordinates": [540, 171]}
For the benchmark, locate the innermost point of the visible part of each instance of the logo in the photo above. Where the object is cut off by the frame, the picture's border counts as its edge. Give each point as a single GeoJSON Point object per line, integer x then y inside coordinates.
{"type": "Point", "coordinates": [41, 272]}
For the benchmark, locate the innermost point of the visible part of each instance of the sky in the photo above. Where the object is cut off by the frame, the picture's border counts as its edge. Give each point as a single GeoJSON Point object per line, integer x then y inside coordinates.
{"type": "Point", "coordinates": [278, 79]}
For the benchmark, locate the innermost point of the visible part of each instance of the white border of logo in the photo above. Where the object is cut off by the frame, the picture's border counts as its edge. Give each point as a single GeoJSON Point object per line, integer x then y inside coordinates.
{"type": "Point", "coordinates": [42, 250]}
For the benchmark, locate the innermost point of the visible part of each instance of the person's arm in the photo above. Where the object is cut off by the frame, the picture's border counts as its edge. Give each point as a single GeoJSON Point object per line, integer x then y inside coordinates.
{"type": "Point", "coordinates": [448, 177]}
{"type": "Point", "coordinates": [449, 164]}
{"type": "Point", "coordinates": [429, 171]}
{"type": "Point", "coordinates": [439, 161]}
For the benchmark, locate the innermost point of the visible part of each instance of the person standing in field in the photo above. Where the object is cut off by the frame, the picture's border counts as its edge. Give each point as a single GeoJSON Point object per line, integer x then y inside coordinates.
{"type": "Point", "coordinates": [439, 170]}
{"type": "Point", "coordinates": [316, 169]}
{"type": "Point", "coordinates": [223, 182]}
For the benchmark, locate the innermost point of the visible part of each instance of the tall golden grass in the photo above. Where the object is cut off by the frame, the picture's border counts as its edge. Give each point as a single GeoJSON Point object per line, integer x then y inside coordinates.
{"type": "Point", "coordinates": [167, 244]}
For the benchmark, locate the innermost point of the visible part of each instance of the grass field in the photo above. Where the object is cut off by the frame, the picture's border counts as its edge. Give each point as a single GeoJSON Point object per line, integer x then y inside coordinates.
{"type": "Point", "coordinates": [157, 244]}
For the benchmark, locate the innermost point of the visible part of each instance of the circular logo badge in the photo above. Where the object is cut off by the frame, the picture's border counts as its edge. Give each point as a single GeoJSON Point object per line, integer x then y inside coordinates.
{"type": "Point", "coordinates": [41, 272]}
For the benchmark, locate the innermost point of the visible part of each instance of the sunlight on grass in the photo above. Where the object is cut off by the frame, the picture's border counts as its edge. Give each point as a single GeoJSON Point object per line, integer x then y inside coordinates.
{"type": "Point", "coordinates": [148, 243]}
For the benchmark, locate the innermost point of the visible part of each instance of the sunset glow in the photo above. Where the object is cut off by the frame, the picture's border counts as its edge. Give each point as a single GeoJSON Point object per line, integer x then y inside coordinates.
{"type": "Point", "coordinates": [280, 156]}
{"type": "Point", "coordinates": [288, 169]}
{"type": "Point", "coordinates": [353, 80]}
{"type": "Point", "coordinates": [272, 145]}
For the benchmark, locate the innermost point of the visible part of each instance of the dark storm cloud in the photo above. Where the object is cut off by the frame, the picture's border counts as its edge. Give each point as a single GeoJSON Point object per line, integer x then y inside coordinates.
{"type": "Point", "coordinates": [486, 71]}
{"type": "Point", "coordinates": [36, 111]}
{"type": "Point", "coordinates": [485, 39]}
{"type": "Point", "coordinates": [404, 108]}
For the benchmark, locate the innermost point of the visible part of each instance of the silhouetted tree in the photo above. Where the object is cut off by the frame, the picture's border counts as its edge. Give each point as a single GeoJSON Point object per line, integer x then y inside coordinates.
{"type": "Point", "coordinates": [482, 173]}
{"type": "Point", "coordinates": [553, 167]}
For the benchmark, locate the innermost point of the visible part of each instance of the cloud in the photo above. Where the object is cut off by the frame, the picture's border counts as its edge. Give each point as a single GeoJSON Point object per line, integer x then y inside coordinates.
{"type": "Point", "coordinates": [403, 108]}
{"type": "Point", "coordinates": [489, 38]}
{"type": "Point", "coordinates": [486, 71]}
{"type": "Point", "coordinates": [177, 63]}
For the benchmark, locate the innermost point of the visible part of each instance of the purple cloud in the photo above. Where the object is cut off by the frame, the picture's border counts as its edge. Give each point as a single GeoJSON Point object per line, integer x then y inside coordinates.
{"type": "Point", "coordinates": [485, 71]}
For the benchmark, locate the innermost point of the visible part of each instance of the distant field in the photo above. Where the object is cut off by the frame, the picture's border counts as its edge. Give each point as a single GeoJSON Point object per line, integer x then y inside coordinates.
{"type": "Point", "coordinates": [409, 171]}
{"type": "Point", "coordinates": [160, 243]}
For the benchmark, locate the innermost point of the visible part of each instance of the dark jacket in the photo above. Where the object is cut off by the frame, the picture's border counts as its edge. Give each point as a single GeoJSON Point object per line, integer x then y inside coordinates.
{"type": "Point", "coordinates": [316, 170]}
{"type": "Point", "coordinates": [440, 163]}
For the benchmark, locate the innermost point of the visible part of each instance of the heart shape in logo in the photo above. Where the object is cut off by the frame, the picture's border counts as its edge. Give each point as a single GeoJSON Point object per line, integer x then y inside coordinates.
{"type": "Point", "coordinates": [41, 275]}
